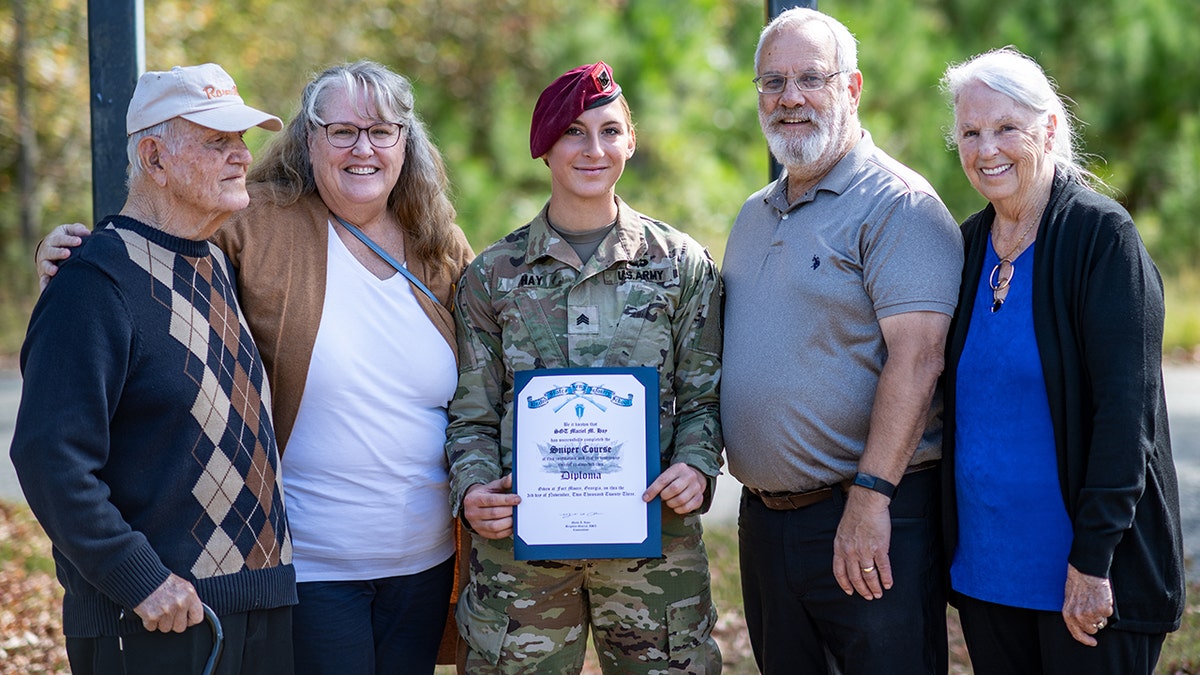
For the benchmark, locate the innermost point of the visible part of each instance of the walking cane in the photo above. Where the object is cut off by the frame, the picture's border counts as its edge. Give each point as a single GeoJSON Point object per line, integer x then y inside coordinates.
{"type": "Point", "coordinates": [214, 623]}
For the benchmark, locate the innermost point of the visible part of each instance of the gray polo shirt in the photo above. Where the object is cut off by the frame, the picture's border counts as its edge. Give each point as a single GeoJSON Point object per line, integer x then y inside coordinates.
{"type": "Point", "coordinates": [805, 287]}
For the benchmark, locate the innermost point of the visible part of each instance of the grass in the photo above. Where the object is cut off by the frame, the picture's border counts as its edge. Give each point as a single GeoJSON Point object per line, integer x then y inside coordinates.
{"type": "Point", "coordinates": [31, 633]}
{"type": "Point", "coordinates": [1181, 329]}
{"type": "Point", "coordinates": [1181, 651]}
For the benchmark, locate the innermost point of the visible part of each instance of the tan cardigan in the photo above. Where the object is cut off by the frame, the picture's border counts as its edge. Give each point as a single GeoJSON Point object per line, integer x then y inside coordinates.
{"type": "Point", "coordinates": [280, 257]}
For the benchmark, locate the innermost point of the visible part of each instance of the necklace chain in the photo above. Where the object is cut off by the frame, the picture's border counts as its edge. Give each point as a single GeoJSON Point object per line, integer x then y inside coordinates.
{"type": "Point", "coordinates": [1020, 239]}
{"type": "Point", "coordinates": [997, 279]}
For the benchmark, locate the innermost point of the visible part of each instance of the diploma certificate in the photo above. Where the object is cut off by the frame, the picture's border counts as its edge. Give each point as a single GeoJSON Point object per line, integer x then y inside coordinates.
{"type": "Point", "coordinates": [585, 448]}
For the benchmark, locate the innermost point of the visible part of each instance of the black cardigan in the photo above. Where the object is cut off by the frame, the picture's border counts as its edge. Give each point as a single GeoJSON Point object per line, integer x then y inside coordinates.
{"type": "Point", "coordinates": [1097, 317]}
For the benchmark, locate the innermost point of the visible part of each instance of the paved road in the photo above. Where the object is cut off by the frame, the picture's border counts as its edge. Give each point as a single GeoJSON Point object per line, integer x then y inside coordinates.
{"type": "Point", "coordinates": [10, 396]}
{"type": "Point", "coordinates": [1183, 402]}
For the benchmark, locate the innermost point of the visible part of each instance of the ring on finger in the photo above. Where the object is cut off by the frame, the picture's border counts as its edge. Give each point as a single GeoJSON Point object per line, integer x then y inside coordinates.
{"type": "Point", "coordinates": [868, 570]}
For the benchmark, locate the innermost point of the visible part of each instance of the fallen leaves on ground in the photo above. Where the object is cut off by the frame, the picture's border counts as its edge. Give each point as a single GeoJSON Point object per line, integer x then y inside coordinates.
{"type": "Point", "coordinates": [30, 598]}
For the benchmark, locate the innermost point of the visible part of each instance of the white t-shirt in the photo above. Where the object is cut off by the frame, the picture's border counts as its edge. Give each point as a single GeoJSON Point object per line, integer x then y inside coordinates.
{"type": "Point", "coordinates": [364, 474]}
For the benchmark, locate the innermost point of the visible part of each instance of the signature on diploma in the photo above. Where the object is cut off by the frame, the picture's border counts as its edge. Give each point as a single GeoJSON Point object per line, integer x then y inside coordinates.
{"type": "Point", "coordinates": [579, 514]}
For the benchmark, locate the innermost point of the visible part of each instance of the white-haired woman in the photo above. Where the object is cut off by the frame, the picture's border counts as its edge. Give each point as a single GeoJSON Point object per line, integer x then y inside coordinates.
{"type": "Point", "coordinates": [1061, 511]}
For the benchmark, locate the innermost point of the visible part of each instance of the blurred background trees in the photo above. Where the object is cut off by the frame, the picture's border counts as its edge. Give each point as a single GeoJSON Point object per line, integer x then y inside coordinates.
{"type": "Point", "coordinates": [686, 66]}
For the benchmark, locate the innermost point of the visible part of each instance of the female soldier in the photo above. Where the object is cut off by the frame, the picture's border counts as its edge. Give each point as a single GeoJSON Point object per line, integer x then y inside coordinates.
{"type": "Point", "coordinates": [560, 292]}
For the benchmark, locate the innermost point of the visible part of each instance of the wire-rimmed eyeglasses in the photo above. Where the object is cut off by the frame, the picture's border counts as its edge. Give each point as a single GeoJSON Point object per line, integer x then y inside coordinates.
{"type": "Point", "coordinates": [345, 135]}
{"type": "Point", "coordinates": [775, 83]}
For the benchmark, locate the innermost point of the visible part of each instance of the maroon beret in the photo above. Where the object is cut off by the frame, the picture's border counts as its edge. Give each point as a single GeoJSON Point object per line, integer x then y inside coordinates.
{"type": "Point", "coordinates": [566, 98]}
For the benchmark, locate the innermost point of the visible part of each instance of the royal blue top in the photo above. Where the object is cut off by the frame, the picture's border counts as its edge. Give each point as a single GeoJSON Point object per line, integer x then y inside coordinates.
{"type": "Point", "coordinates": [1098, 321]}
{"type": "Point", "coordinates": [1014, 533]}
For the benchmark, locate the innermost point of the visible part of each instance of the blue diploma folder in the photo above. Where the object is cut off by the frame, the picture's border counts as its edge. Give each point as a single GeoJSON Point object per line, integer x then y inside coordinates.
{"type": "Point", "coordinates": [569, 392]}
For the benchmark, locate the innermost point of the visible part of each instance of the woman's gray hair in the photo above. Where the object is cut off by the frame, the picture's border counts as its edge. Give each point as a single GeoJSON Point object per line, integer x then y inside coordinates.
{"type": "Point", "coordinates": [1017, 76]}
{"type": "Point", "coordinates": [847, 46]}
{"type": "Point", "coordinates": [167, 131]}
{"type": "Point", "coordinates": [419, 199]}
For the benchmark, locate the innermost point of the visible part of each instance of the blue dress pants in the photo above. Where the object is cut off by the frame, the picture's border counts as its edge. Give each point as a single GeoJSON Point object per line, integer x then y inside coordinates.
{"type": "Point", "coordinates": [389, 626]}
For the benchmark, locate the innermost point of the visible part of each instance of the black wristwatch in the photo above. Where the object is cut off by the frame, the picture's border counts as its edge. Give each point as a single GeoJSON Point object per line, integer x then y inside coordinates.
{"type": "Point", "coordinates": [874, 483]}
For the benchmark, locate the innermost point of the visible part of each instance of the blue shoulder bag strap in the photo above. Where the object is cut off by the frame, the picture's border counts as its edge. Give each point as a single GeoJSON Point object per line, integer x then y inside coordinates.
{"type": "Point", "coordinates": [386, 256]}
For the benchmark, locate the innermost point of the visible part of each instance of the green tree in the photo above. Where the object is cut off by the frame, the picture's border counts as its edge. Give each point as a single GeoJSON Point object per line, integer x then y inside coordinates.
{"type": "Point", "coordinates": [686, 65]}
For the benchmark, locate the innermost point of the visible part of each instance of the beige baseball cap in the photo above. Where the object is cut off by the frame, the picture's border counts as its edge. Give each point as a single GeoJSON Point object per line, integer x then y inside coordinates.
{"type": "Point", "coordinates": [202, 94]}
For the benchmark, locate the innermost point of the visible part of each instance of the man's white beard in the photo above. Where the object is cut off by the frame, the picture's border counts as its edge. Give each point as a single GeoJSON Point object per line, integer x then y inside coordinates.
{"type": "Point", "coordinates": [808, 149]}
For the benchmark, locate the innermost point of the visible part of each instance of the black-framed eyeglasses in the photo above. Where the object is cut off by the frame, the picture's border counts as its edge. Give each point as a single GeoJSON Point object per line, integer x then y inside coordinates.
{"type": "Point", "coordinates": [345, 135]}
{"type": "Point", "coordinates": [775, 83]}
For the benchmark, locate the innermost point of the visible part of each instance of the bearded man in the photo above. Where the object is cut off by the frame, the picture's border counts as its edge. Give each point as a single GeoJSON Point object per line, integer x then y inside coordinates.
{"type": "Point", "coordinates": [841, 278]}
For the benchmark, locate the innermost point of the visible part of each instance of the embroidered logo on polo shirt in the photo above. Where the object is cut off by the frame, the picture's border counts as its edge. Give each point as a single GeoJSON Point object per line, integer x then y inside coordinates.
{"type": "Point", "coordinates": [816, 262]}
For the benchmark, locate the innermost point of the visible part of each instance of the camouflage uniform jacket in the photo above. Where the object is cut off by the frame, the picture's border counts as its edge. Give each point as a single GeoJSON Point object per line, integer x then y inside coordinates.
{"type": "Point", "coordinates": [650, 296]}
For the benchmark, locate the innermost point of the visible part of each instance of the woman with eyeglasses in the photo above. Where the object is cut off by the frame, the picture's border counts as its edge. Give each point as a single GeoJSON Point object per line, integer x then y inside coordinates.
{"type": "Point", "coordinates": [588, 283]}
{"type": "Point", "coordinates": [1061, 507]}
{"type": "Point", "coordinates": [361, 361]}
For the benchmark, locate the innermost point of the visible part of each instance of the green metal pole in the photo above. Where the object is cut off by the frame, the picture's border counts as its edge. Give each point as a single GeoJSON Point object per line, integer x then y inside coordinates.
{"type": "Point", "coordinates": [115, 56]}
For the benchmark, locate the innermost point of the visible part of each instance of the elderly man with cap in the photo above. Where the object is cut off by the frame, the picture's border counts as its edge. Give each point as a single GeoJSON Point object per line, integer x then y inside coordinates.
{"type": "Point", "coordinates": [144, 442]}
{"type": "Point", "coordinates": [587, 283]}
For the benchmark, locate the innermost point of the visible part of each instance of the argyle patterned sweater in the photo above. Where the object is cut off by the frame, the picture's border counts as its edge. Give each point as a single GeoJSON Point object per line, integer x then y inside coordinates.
{"type": "Point", "coordinates": [143, 441]}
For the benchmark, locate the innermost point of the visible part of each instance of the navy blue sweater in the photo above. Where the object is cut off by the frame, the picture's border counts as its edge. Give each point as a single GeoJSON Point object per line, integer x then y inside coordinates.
{"type": "Point", "coordinates": [144, 442]}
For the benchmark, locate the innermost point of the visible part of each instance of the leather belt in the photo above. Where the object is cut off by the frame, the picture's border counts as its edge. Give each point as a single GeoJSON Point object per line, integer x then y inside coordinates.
{"type": "Point", "coordinates": [790, 501]}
